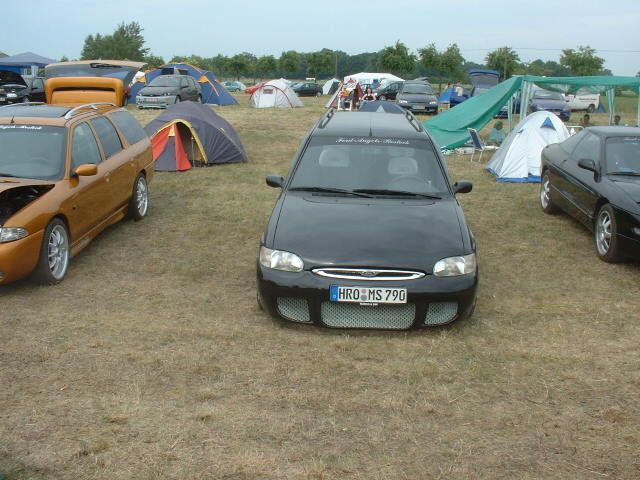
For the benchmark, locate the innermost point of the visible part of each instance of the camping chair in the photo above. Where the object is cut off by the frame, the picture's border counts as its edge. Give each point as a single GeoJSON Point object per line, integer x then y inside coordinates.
{"type": "Point", "coordinates": [478, 145]}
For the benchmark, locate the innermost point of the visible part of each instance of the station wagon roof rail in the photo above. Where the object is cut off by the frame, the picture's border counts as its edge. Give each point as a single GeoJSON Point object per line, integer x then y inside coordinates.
{"type": "Point", "coordinates": [92, 106]}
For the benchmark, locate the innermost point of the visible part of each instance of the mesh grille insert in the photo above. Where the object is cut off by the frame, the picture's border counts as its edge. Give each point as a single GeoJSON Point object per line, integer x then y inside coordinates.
{"type": "Point", "coordinates": [294, 308]}
{"type": "Point", "coordinates": [441, 312]}
{"type": "Point", "coordinates": [349, 315]}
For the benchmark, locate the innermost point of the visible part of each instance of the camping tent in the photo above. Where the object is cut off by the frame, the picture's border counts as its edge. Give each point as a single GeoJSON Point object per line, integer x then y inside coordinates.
{"type": "Point", "coordinates": [518, 158]}
{"type": "Point", "coordinates": [275, 93]}
{"type": "Point", "coordinates": [330, 86]}
{"type": "Point", "coordinates": [190, 133]}
{"type": "Point", "coordinates": [212, 91]}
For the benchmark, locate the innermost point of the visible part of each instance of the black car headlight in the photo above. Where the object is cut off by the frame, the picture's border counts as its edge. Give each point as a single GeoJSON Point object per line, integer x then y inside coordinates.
{"type": "Point", "coordinates": [280, 260]}
{"type": "Point", "coordinates": [455, 266]}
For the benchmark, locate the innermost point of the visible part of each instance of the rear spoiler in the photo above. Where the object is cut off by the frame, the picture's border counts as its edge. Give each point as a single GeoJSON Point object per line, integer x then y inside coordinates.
{"type": "Point", "coordinates": [82, 90]}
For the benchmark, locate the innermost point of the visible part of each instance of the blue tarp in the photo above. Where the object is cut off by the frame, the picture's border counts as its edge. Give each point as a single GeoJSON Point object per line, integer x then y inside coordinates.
{"type": "Point", "coordinates": [212, 91]}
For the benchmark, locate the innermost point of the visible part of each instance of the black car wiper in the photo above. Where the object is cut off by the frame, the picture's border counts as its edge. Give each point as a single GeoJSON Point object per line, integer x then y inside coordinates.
{"type": "Point", "coordinates": [631, 174]}
{"type": "Point", "coordinates": [2, 174]}
{"type": "Point", "coordinates": [403, 193]}
{"type": "Point", "coordinates": [342, 191]}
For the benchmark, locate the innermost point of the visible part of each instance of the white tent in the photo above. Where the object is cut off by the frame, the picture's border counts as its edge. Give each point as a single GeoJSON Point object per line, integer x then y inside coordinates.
{"type": "Point", "coordinates": [518, 158]}
{"type": "Point", "coordinates": [326, 88]}
{"type": "Point", "coordinates": [275, 94]}
{"type": "Point", "coordinates": [367, 78]}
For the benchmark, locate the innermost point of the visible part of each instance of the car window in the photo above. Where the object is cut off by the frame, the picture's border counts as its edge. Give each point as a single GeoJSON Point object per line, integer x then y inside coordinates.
{"type": "Point", "coordinates": [588, 148]}
{"type": "Point", "coordinates": [32, 151]}
{"type": "Point", "coordinates": [163, 81]}
{"type": "Point", "coordinates": [108, 136]}
{"type": "Point", "coordinates": [622, 155]}
{"type": "Point", "coordinates": [38, 84]}
{"type": "Point", "coordinates": [570, 143]}
{"type": "Point", "coordinates": [129, 126]}
{"type": "Point", "coordinates": [183, 82]}
{"type": "Point", "coordinates": [85, 148]}
{"type": "Point", "coordinates": [370, 163]}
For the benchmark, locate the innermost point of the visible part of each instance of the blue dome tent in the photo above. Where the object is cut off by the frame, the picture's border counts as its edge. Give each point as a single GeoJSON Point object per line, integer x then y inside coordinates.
{"type": "Point", "coordinates": [212, 91]}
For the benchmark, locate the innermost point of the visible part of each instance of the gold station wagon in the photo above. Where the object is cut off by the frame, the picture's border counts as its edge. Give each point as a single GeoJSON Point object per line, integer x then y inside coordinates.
{"type": "Point", "coordinates": [65, 175]}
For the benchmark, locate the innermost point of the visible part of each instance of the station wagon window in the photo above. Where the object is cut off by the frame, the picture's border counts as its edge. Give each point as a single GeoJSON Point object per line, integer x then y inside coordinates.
{"type": "Point", "coordinates": [85, 148]}
{"type": "Point", "coordinates": [129, 126]}
{"type": "Point", "coordinates": [108, 136]}
{"type": "Point", "coordinates": [588, 148]}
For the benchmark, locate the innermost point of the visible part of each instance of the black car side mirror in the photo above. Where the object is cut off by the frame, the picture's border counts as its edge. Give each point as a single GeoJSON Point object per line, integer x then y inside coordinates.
{"type": "Point", "coordinates": [275, 181]}
{"type": "Point", "coordinates": [588, 164]}
{"type": "Point", "coordinates": [462, 187]}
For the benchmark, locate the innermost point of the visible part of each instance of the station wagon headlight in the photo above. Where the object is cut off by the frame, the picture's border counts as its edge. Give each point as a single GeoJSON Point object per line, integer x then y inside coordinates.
{"type": "Point", "coordinates": [10, 234]}
{"type": "Point", "coordinates": [455, 266]}
{"type": "Point", "coordinates": [279, 260]}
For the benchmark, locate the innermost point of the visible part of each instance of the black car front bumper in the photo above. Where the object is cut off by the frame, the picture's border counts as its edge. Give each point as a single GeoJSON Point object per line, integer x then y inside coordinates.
{"type": "Point", "coordinates": [304, 297]}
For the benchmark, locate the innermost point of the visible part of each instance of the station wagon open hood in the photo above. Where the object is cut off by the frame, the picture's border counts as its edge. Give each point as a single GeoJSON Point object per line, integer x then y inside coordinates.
{"type": "Point", "coordinates": [328, 230]}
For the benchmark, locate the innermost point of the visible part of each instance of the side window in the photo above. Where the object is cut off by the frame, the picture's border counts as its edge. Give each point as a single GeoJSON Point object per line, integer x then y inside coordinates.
{"type": "Point", "coordinates": [85, 148]}
{"type": "Point", "coordinates": [183, 82]}
{"type": "Point", "coordinates": [129, 126]}
{"type": "Point", "coordinates": [38, 83]}
{"type": "Point", "coordinates": [192, 82]}
{"type": "Point", "coordinates": [108, 136]}
{"type": "Point", "coordinates": [588, 148]}
{"type": "Point", "coordinates": [570, 144]}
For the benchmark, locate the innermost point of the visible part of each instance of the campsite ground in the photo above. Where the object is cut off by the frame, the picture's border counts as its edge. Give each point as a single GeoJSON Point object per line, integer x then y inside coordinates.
{"type": "Point", "coordinates": [152, 359]}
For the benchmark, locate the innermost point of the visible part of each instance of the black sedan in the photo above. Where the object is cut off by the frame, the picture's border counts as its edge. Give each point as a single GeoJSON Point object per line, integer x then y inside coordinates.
{"type": "Point", "coordinates": [594, 176]}
{"type": "Point", "coordinates": [13, 88]}
{"type": "Point", "coordinates": [367, 231]}
{"type": "Point", "coordinates": [307, 89]}
{"type": "Point", "coordinates": [418, 97]}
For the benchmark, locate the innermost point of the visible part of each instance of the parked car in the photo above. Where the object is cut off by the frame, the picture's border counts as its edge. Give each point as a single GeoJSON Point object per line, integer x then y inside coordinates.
{"type": "Point", "coordinates": [594, 176]}
{"type": "Point", "coordinates": [551, 102]}
{"type": "Point", "coordinates": [86, 81]}
{"type": "Point", "coordinates": [307, 89]}
{"type": "Point", "coordinates": [584, 100]}
{"type": "Point", "coordinates": [65, 175]}
{"type": "Point", "coordinates": [13, 88]}
{"type": "Point", "coordinates": [166, 90]}
{"type": "Point", "coordinates": [388, 91]}
{"type": "Point", "coordinates": [234, 86]}
{"type": "Point", "coordinates": [367, 231]}
{"type": "Point", "coordinates": [36, 89]}
{"type": "Point", "coordinates": [418, 97]}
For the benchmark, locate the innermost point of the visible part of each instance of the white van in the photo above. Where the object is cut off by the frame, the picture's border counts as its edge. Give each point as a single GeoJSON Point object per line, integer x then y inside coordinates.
{"type": "Point", "coordinates": [584, 99]}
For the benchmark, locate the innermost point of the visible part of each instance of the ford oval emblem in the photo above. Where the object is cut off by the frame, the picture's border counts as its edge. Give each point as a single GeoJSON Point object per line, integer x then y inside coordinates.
{"type": "Point", "coordinates": [369, 273]}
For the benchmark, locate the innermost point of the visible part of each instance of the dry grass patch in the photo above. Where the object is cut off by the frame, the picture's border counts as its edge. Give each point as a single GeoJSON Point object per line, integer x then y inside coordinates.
{"type": "Point", "coordinates": [152, 359]}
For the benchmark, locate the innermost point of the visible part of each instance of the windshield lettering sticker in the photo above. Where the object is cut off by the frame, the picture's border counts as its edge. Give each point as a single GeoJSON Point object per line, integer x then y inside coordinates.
{"type": "Point", "coordinates": [20, 127]}
{"type": "Point", "coordinates": [378, 141]}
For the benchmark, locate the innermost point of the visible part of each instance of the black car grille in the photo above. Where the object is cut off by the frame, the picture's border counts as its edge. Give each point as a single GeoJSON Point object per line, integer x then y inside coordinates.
{"type": "Point", "coordinates": [349, 315]}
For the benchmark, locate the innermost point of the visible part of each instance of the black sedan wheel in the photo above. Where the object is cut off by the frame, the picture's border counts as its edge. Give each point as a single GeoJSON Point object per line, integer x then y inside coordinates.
{"type": "Point", "coordinates": [545, 198]}
{"type": "Point", "coordinates": [606, 238]}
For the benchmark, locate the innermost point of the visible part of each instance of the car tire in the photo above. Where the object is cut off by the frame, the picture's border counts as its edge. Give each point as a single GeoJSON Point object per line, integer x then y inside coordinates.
{"type": "Point", "coordinates": [318, 94]}
{"type": "Point", "coordinates": [139, 201]}
{"type": "Point", "coordinates": [177, 100]}
{"type": "Point", "coordinates": [382, 97]}
{"type": "Point", "coordinates": [546, 204]}
{"type": "Point", "coordinates": [55, 254]}
{"type": "Point", "coordinates": [25, 100]}
{"type": "Point", "coordinates": [199, 98]}
{"type": "Point", "coordinates": [591, 108]}
{"type": "Point", "coordinates": [606, 237]}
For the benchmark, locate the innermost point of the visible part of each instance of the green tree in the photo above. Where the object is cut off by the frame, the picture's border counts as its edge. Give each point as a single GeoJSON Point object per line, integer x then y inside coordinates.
{"type": "Point", "coordinates": [505, 60]}
{"type": "Point", "coordinates": [125, 43]}
{"type": "Point", "coordinates": [64, 58]}
{"type": "Point", "coordinates": [153, 61]}
{"type": "Point", "coordinates": [318, 62]}
{"type": "Point", "coordinates": [452, 62]}
{"type": "Point", "coordinates": [238, 65]}
{"type": "Point", "coordinates": [582, 62]}
{"type": "Point", "coordinates": [397, 60]}
{"type": "Point", "coordinates": [266, 65]}
{"type": "Point", "coordinates": [431, 61]}
{"type": "Point", "coordinates": [289, 62]}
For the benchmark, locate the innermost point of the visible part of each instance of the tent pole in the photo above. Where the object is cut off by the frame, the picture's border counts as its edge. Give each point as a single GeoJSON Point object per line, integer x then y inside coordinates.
{"type": "Point", "coordinates": [509, 110]}
{"type": "Point", "coordinates": [638, 124]}
{"type": "Point", "coordinates": [611, 100]}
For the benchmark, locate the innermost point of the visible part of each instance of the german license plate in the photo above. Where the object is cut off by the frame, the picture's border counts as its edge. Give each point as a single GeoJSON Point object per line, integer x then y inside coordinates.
{"type": "Point", "coordinates": [419, 107]}
{"type": "Point", "coordinates": [372, 295]}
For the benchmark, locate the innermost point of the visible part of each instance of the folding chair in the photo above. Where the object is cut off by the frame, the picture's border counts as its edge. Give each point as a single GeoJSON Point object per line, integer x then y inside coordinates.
{"type": "Point", "coordinates": [478, 145]}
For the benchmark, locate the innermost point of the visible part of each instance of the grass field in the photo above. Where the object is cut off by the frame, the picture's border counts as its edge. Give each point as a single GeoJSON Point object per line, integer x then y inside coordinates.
{"type": "Point", "coordinates": [153, 361]}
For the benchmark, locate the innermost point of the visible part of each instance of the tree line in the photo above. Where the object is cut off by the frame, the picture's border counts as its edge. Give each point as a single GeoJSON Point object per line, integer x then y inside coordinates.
{"type": "Point", "coordinates": [447, 65]}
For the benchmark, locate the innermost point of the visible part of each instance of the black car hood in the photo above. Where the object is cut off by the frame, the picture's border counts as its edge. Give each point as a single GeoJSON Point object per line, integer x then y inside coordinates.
{"type": "Point", "coordinates": [326, 230]}
{"type": "Point", "coordinates": [629, 185]}
{"type": "Point", "coordinates": [155, 91]}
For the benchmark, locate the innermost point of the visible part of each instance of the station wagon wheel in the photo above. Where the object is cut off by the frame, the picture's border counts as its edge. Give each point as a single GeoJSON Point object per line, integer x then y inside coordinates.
{"type": "Point", "coordinates": [139, 202]}
{"type": "Point", "coordinates": [55, 253]}
{"type": "Point", "coordinates": [606, 235]}
{"type": "Point", "coordinates": [545, 195]}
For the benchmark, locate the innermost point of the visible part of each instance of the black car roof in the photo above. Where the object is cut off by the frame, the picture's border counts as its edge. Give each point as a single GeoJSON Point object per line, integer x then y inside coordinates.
{"type": "Point", "coordinates": [34, 111]}
{"type": "Point", "coordinates": [613, 131]}
{"type": "Point", "coordinates": [370, 124]}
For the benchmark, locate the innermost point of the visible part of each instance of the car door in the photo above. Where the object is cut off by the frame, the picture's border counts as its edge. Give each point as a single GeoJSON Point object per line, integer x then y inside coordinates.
{"type": "Point", "coordinates": [37, 90]}
{"type": "Point", "coordinates": [89, 197]}
{"type": "Point", "coordinates": [194, 89]}
{"type": "Point", "coordinates": [119, 168]}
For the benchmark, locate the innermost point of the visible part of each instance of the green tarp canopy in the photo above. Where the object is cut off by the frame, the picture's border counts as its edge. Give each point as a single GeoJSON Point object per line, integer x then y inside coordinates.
{"type": "Point", "coordinates": [449, 128]}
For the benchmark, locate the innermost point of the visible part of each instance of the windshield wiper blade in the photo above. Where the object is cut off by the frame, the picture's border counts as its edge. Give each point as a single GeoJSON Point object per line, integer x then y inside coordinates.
{"type": "Point", "coordinates": [403, 193]}
{"type": "Point", "coordinates": [632, 174]}
{"type": "Point", "coordinates": [342, 191]}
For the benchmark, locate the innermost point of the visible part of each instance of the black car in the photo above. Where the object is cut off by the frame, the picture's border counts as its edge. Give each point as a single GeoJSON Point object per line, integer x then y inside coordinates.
{"type": "Point", "coordinates": [367, 231]}
{"type": "Point", "coordinates": [594, 176]}
{"type": "Point", "coordinates": [307, 89]}
{"type": "Point", "coordinates": [165, 90]}
{"type": "Point", "coordinates": [388, 91]}
{"type": "Point", "coordinates": [418, 97]}
{"type": "Point", "coordinates": [13, 88]}
{"type": "Point", "coordinates": [36, 89]}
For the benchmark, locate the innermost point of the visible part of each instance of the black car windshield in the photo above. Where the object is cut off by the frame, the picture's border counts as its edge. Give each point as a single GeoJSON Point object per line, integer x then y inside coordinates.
{"type": "Point", "coordinates": [32, 151]}
{"type": "Point", "coordinates": [425, 89]}
{"type": "Point", "coordinates": [371, 165]}
{"type": "Point", "coordinates": [546, 95]}
{"type": "Point", "coordinates": [164, 82]}
{"type": "Point", "coordinates": [622, 155]}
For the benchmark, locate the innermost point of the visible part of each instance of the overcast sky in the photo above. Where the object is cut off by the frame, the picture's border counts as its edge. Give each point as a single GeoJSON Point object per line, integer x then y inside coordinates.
{"type": "Point", "coordinates": [541, 29]}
